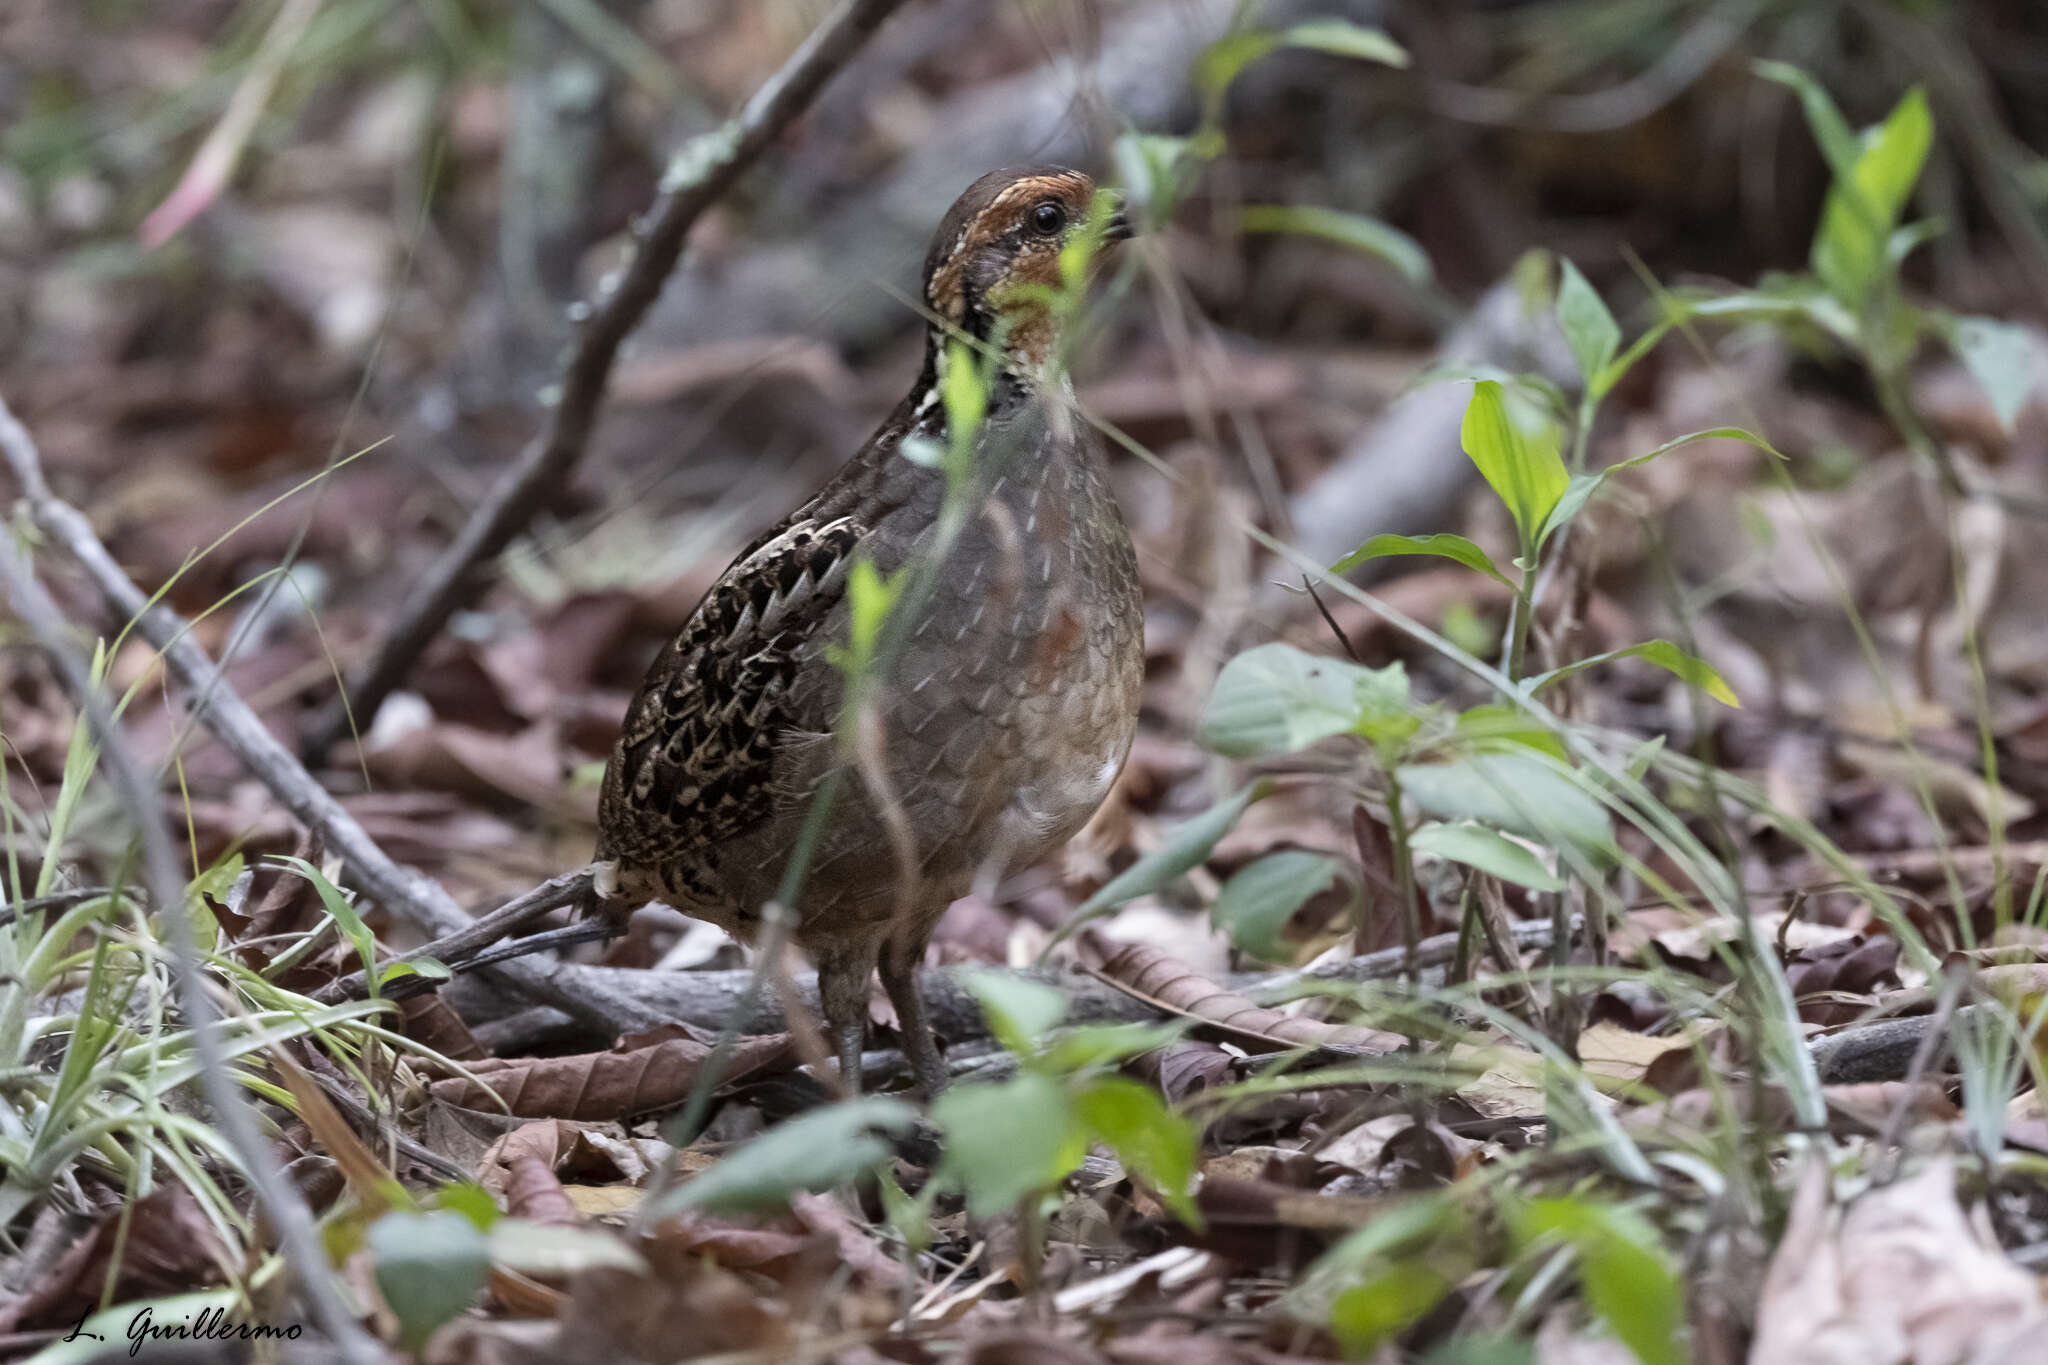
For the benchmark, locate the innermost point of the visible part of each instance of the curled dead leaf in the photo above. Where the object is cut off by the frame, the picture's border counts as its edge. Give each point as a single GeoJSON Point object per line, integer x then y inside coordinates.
{"type": "Point", "coordinates": [1176, 988]}
{"type": "Point", "coordinates": [602, 1085]}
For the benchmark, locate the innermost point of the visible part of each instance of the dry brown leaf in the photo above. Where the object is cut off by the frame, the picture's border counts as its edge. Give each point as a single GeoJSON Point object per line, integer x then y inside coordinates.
{"type": "Point", "coordinates": [567, 1149]}
{"type": "Point", "coordinates": [168, 1248]}
{"type": "Point", "coordinates": [533, 1191]}
{"type": "Point", "coordinates": [602, 1085]}
{"type": "Point", "coordinates": [1900, 1278]}
{"type": "Point", "coordinates": [1171, 984]}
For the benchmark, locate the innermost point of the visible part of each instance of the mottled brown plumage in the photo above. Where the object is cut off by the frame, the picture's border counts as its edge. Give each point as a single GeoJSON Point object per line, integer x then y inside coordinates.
{"type": "Point", "coordinates": [1005, 713]}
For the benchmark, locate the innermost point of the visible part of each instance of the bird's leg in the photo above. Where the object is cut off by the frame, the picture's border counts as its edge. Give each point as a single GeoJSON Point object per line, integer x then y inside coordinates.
{"type": "Point", "coordinates": [901, 960]}
{"type": "Point", "coordinates": [843, 976]}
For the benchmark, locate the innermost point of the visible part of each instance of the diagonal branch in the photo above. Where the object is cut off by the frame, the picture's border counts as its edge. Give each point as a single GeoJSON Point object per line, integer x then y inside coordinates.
{"type": "Point", "coordinates": [287, 1212]}
{"type": "Point", "coordinates": [697, 178]}
{"type": "Point", "coordinates": [419, 901]}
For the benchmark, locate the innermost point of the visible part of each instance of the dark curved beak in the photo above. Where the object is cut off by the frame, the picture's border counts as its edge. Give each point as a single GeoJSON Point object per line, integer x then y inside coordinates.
{"type": "Point", "coordinates": [1118, 228]}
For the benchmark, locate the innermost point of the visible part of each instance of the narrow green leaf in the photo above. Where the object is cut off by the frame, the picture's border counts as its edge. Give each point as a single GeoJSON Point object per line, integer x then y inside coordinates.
{"type": "Point", "coordinates": [1838, 141]}
{"type": "Point", "coordinates": [812, 1152]}
{"type": "Point", "coordinates": [1089, 1047]}
{"type": "Point", "coordinates": [1346, 39]}
{"type": "Point", "coordinates": [1154, 1143]}
{"type": "Point", "coordinates": [1276, 699]}
{"type": "Point", "coordinates": [1492, 726]}
{"type": "Point", "coordinates": [1487, 850]}
{"type": "Point", "coordinates": [1009, 1139]}
{"type": "Point", "coordinates": [429, 1268]}
{"type": "Point", "coordinates": [1589, 328]}
{"type": "Point", "coordinates": [338, 909]}
{"type": "Point", "coordinates": [1443, 545]}
{"type": "Point", "coordinates": [1663, 654]}
{"type": "Point", "coordinates": [1020, 1012]}
{"type": "Point", "coordinates": [1356, 231]}
{"type": "Point", "coordinates": [1583, 487]}
{"type": "Point", "coordinates": [1255, 905]}
{"type": "Point", "coordinates": [1188, 845]}
{"type": "Point", "coordinates": [1515, 792]}
{"type": "Point", "coordinates": [1220, 62]}
{"type": "Point", "coordinates": [2001, 356]}
{"type": "Point", "coordinates": [1523, 468]}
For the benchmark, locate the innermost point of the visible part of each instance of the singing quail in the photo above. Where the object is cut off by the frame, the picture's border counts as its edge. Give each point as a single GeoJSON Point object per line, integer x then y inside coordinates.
{"type": "Point", "coordinates": [1003, 716]}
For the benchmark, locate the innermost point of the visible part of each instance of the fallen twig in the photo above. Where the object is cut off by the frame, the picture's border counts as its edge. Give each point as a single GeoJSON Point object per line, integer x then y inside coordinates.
{"type": "Point", "coordinates": [417, 900]}
{"type": "Point", "coordinates": [696, 179]}
{"type": "Point", "coordinates": [281, 1203]}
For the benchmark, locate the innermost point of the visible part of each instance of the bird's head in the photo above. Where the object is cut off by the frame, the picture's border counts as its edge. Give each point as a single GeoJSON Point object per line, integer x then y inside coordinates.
{"type": "Point", "coordinates": [996, 257]}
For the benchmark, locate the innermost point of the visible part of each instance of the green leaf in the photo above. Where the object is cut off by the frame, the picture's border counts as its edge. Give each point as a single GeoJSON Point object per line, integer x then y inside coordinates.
{"type": "Point", "coordinates": [1368, 236]}
{"type": "Point", "coordinates": [2001, 356]}
{"type": "Point", "coordinates": [1255, 904]}
{"type": "Point", "coordinates": [1009, 1139]}
{"type": "Point", "coordinates": [813, 1152]}
{"type": "Point", "coordinates": [1366, 1315]}
{"type": "Point", "coordinates": [1487, 850]}
{"type": "Point", "coordinates": [870, 597]}
{"type": "Point", "coordinates": [429, 1268]}
{"type": "Point", "coordinates": [1492, 726]}
{"type": "Point", "coordinates": [1583, 487]}
{"type": "Point", "coordinates": [964, 393]}
{"type": "Point", "coordinates": [1188, 845]}
{"type": "Point", "coordinates": [1523, 468]}
{"type": "Point", "coordinates": [1154, 1143]}
{"type": "Point", "coordinates": [433, 969]}
{"type": "Point", "coordinates": [1346, 39]}
{"type": "Point", "coordinates": [472, 1201]}
{"type": "Point", "coordinates": [339, 910]}
{"type": "Point", "coordinates": [1663, 654]}
{"type": "Point", "coordinates": [1518, 793]}
{"type": "Point", "coordinates": [1443, 545]}
{"type": "Point", "coordinates": [1089, 1047]}
{"type": "Point", "coordinates": [1156, 168]}
{"type": "Point", "coordinates": [1020, 1012]}
{"type": "Point", "coordinates": [1838, 141]}
{"type": "Point", "coordinates": [1629, 1280]}
{"type": "Point", "coordinates": [1221, 62]}
{"type": "Point", "coordinates": [1589, 329]}
{"type": "Point", "coordinates": [1850, 249]}
{"type": "Point", "coordinates": [1276, 699]}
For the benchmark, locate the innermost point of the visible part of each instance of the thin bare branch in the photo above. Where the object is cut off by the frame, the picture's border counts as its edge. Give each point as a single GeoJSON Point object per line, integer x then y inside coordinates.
{"type": "Point", "coordinates": [697, 178]}
{"type": "Point", "coordinates": [281, 1203]}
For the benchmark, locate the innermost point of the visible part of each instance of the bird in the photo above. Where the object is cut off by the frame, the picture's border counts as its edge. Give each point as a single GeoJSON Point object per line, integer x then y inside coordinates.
{"type": "Point", "coordinates": [996, 724]}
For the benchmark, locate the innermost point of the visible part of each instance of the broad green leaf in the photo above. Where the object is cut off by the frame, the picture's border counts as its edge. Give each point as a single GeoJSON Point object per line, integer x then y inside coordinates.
{"type": "Point", "coordinates": [1155, 167]}
{"type": "Point", "coordinates": [1443, 545]}
{"type": "Point", "coordinates": [1838, 141]}
{"type": "Point", "coordinates": [1663, 654]}
{"type": "Point", "coordinates": [1514, 792]}
{"type": "Point", "coordinates": [2001, 356]}
{"type": "Point", "coordinates": [1255, 904]}
{"type": "Point", "coordinates": [1356, 231]}
{"type": "Point", "coordinates": [813, 1152]}
{"type": "Point", "coordinates": [1630, 1281]}
{"type": "Point", "coordinates": [1484, 1350]}
{"type": "Point", "coordinates": [1366, 1315]}
{"type": "Point", "coordinates": [429, 1268]}
{"type": "Point", "coordinates": [1487, 850]}
{"type": "Point", "coordinates": [1523, 467]}
{"type": "Point", "coordinates": [1276, 699]}
{"type": "Point", "coordinates": [1346, 39]}
{"type": "Point", "coordinates": [1188, 845]}
{"type": "Point", "coordinates": [1154, 1143]}
{"type": "Point", "coordinates": [1009, 1139]}
{"type": "Point", "coordinates": [1020, 1012]}
{"type": "Point", "coordinates": [1589, 328]}
{"type": "Point", "coordinates": [1850, 248]}
{"type": "Point", "coordinates": [472, 1201]}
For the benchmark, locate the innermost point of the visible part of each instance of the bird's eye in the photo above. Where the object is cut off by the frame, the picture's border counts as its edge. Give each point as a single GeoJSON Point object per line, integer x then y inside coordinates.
{"type": "Point", "coordinates": [1048, 218]}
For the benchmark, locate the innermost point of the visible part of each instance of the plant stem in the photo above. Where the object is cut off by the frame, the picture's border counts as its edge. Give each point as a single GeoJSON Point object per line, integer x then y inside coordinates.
{"type": "Point", "coordinates": [1404, 875]}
